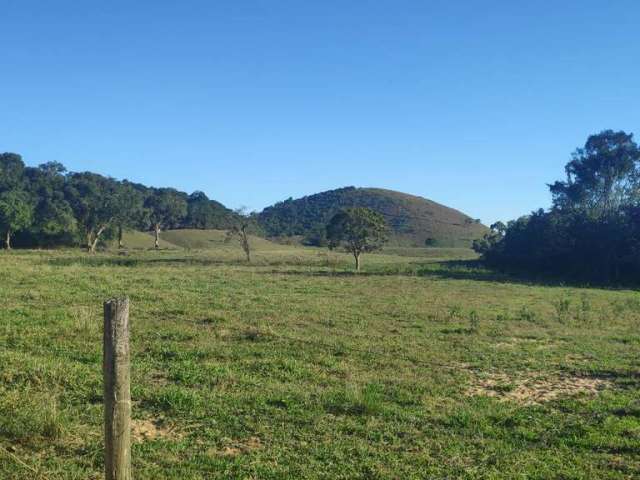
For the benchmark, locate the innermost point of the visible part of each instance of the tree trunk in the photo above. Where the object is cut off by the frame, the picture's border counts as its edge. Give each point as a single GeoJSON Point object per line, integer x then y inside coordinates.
{"type": "Point", "coordinates": [357, 257]}
{"type": "Point", "coordinates": [245, 244]}
{"type": "Point", "coordinates": [90, 242]}
{"type": "Point", "coordinates": [157, 241]}
{"type": "Point", "coordinates": [7, 240]}
{"type": "Point", "coordinates": [120, 244]}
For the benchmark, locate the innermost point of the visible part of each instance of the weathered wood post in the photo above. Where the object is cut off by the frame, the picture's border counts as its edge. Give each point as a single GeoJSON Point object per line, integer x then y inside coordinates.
{"type": "Point", "coordinates": [117, 393]}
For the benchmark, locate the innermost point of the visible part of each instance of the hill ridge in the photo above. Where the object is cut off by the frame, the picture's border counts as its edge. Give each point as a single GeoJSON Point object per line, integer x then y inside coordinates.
{"type": "Point", "coordinates": [413, 220]}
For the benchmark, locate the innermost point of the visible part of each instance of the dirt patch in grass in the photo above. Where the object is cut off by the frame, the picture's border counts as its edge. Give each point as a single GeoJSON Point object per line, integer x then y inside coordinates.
{"type": "Point", "coordinates": [235, 448]}
{"type": "Point", "coordinates": [150, 430]}
{"type": "Point", "coordinates": [534, 389]}
{"type": "Point", "coordinates": [518, 342]}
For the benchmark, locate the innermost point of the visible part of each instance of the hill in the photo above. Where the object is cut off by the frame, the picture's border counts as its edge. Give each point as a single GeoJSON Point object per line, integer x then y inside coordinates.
{"type": "Point", "coordinates": [413, 220]}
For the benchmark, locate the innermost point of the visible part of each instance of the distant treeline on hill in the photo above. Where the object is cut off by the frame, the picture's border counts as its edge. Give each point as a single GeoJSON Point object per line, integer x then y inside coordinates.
{"type": "Point", "coordinates": [592, 231]}
{"type": "Point", "coordinates": [47, 206]}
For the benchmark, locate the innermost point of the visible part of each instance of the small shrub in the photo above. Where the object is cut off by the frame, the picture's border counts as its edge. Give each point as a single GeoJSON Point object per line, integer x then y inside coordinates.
{"type": "Point", "coordinates": [526, 315]}
{"type": "Point", "coordinates": [455, 312]}
{"type": "Point", "coordinates": [474, 321]}
{"type": "Point", "coordinates": [562, 307]}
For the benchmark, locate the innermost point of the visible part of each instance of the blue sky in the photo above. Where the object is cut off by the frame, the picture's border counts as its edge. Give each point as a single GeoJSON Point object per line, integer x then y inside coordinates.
{"type": "Point", "coordinates": [474, 104]}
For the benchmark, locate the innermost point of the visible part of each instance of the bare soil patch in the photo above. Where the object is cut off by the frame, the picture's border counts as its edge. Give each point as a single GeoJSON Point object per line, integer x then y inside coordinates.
{"type": "Point", "coordinates": [149, 430]}
{"type": "Point", "coordinates": [535, 389]}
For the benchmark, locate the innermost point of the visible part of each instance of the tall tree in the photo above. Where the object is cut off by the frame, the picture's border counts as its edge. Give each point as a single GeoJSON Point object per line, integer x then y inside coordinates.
{"type": "Point", "coordinates": [129, 209]}
{"type": "Point", "coordinates": [359, 230]}
{"type": "Point", "coordinates": [93, 199]}
{"type": "Point", "coordinates": [16, 207]}
{"type": "Point", "coordinates": [11, 171]}
{"type": "Point", "coordinates": [602, 177]}
{"type": "Point", "coordinates": [54, 219]}
{"type": "Point", "coordinates": [16, 213]}
{"type": "Point", "coordinates": [167, 208]}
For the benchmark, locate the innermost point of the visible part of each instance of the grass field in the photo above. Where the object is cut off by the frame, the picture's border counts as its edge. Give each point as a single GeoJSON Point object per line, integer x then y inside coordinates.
{"type": "Point", "coordinates": [293, 367]}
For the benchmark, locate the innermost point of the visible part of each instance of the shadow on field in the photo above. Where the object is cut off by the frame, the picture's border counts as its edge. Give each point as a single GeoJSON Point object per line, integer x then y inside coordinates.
{"type": "Point", "coordinates": [448, 269]}
{"type": "Point", "coordinates": [133, 262]}
{"type": "Point", "coordinates": [124, 261]}
{"type": "Point", "coordinates": [470, 270]}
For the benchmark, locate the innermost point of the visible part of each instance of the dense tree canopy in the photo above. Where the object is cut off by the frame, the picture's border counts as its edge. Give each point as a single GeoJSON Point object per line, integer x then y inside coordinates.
{"type": "Point", "coordinates": [592, 231]}
{"type": "Point", "coordinates": [48, 206]}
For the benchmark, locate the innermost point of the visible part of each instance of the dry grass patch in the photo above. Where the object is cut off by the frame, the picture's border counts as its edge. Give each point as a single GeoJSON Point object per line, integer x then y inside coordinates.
{"type": "Point", "coordinates": [150, 430]}
{"type": "Point", "coordinates": [535, 389]}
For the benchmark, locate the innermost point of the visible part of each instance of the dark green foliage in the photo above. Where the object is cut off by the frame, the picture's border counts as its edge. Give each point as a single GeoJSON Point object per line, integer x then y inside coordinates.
{"type": "Point", "coordinates": [16, 205]}
{"type": "Point", "coordinates": [166, 209]}
{"type": "Point", "coordinates": [592, 233]}
{"type": "Point", "coordinates": [602, 177]}
{"type": "Point", "coordinates": [358, 230]}
{"type": "Point", "coordinates": [94, 202]}
{"type": "Point", "coordinates": [46, 206]}
{"type": "Point", "coordinates": [204, 213]}
{"type": "Point", "coordinates": [16, 211]}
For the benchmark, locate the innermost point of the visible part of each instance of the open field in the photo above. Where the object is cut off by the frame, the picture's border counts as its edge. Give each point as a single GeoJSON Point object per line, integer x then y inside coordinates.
{"type": "Point", "coordinates": [293, 367]}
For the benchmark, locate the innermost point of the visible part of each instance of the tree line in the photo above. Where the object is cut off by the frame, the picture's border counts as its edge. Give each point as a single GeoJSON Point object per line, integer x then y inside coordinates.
{"type": "Point", "coordinates": [48, 206]}
{"type": "Point", "coordinates": [592, 230]}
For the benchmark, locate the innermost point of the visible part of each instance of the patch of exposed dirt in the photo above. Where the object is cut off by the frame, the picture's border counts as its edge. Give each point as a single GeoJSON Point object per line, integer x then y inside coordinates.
{"type": "Point", "coordinates": [534, 389]}
{"type": "Point", "coordinates": [516, 342]}
{"type": "Point", "coordinates": [149, 430]}
{"type": "Point", "coordinates": [236, 447]}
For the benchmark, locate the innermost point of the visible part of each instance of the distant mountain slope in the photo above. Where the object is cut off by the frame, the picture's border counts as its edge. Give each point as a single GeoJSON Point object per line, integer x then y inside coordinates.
{"type": "Point", "coordinates": [413, 221]}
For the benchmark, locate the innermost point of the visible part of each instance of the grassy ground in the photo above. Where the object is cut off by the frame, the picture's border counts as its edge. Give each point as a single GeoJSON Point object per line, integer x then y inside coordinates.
{"type": "Point", "coordinates": [420, 367]}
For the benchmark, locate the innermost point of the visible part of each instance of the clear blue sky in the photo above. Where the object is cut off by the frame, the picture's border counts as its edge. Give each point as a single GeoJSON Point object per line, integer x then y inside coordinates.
{"type": "Point", "coordinates": [475, 104]}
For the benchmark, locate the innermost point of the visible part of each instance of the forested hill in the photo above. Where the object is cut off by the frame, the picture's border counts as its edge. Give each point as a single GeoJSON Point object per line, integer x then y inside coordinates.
{"type": "Point", "coordinates": [413, 221]}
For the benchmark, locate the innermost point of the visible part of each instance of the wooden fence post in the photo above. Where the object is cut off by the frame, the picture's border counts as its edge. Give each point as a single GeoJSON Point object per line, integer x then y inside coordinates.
{"type": "Point", "coordinates": [117, 393]}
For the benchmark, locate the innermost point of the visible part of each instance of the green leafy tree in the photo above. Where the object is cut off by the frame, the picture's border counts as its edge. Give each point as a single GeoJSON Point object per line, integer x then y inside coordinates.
{"type": "Point", "coordinates": [16, 206]}
{"type": "Point", "coordinates": [489, 240]}
{"type": "Point", "coordinates": [12, 170]}
{"type": "Point", "coordinates": [93, 199]}
{"type": "Point", "coordinates": [359, 230]}
{"type": "Point", "coordinates": [166, 209]}
{"type": "Point", "coordinates": [129, 209]}
{"type": "Point", "coordinates": [54, 221]}
{"type": "Point", "coordinates": [602, 177]}
{"type": "Point", "coordinates": [16, 213]}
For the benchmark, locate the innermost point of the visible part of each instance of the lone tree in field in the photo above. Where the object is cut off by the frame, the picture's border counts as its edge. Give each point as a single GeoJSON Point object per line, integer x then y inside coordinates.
{"type": "Point", "coordinates": [166, 207]}
{"type": "Point", "coordinates": [240, 230]}
{"type": "Point", "coordinates": [359, 230]}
